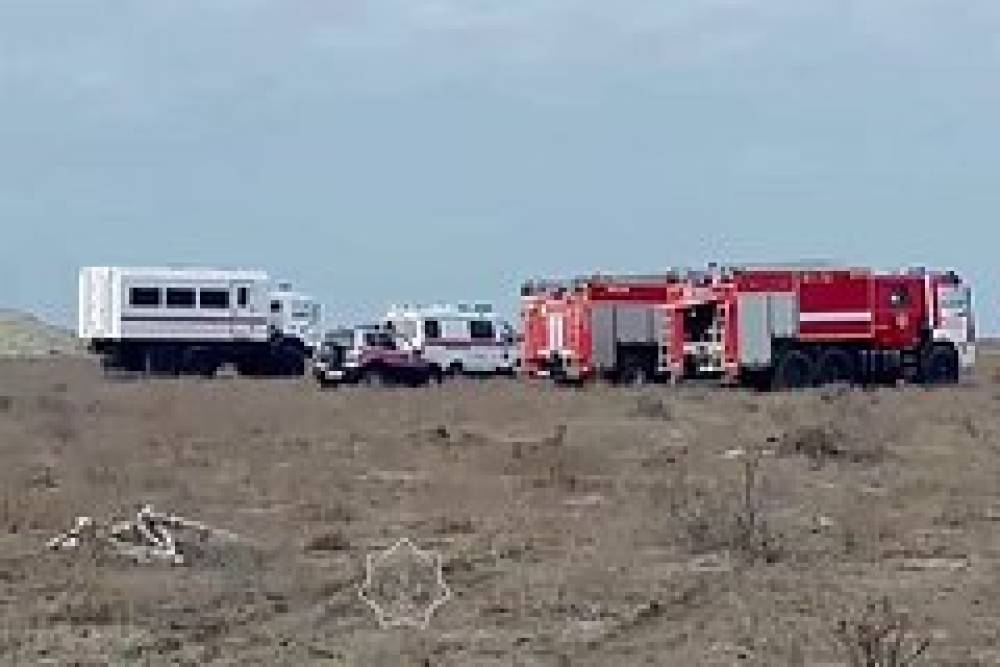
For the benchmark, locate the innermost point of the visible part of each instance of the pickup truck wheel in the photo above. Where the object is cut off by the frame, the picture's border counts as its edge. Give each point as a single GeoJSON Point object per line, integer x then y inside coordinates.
{"type": "Point", "coordinates": [373, 377]}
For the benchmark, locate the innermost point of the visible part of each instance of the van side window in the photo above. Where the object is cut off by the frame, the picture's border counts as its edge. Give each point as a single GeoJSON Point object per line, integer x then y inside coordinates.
{"type": "Point", "coordinates": [144, 297]}
{"type": "Point", "coordinates": [481, 329]}
{"type": "Point", "coordinates": [242, 297]}
{"type": "Point", "coordinates": [180, 297]}
{"type": "Point", "coordinates": [214, 298]}
{"type": "Point", "coordinates": [432, 329]}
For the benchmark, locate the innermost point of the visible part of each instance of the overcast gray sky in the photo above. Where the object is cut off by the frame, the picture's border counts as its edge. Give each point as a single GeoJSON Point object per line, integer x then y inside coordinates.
{"type": "Point", "coordinates": [386, 150]}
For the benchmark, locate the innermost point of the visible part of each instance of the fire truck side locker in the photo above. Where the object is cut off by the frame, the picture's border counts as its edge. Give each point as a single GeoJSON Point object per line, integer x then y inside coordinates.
{"type": "Point", "coordinates": [626, 340]}
{"type": "Point", "coordinates": [762, 318]}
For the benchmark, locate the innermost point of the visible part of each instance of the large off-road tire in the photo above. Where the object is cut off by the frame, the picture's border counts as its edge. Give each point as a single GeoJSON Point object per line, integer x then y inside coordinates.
{"type": "Point", "coordinates": [199, 361]}
{"type": "Point", "coordinates": [420, 379]}
{"type": "Point", "coordinates": [836, 367]}
{"type": "Point", "coordinates": [162, 362]}
{"type": "Point", "coordinates": [289, 360]}
{"type": "Point", "coordinates": [940, 365]}
{"type": "Point", "coordinates": [635, 375]}
{"type": "Point", "coordinates": [795, 370]}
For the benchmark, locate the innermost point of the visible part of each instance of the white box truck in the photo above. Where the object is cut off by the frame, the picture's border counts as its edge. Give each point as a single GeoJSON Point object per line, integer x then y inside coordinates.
{"type": "Point", "coordinates": [168, 321]}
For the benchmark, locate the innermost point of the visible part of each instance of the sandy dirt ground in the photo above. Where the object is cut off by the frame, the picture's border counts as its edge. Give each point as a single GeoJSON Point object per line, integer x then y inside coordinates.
{"type": "Point", "coordinates": [598, 526]}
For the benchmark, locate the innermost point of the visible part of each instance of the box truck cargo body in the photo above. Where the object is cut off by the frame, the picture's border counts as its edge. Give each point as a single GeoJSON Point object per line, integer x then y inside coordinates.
{"type": "Point", "coordinates": [184, 320]}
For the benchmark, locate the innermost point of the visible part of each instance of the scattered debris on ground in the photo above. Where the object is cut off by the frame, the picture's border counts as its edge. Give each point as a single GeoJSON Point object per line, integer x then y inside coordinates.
{"type": "Point", "coordinates": [152, 536]}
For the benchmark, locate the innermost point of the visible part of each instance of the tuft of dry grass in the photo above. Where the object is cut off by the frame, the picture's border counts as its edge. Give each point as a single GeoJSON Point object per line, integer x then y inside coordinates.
{"type": "Point", "coordinates": [881, 637]}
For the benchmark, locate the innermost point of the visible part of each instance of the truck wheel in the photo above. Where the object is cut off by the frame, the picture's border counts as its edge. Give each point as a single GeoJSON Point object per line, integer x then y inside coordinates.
{"type": "Point", "coordinates": [162, 361]}
{"type": "Point", "coordinates": [836, 366]}
{"type": "Point", "coordinates": [456, 370]}
{"type": "Point", "coordinates": [248, 367]}
{"type": "Point", "coordinates": [940, 365]}
{"type": "Point", "coordinates": [795, 370]}
{"type": "Point", "coordinates": [635, 375]}
{"type": "Point", "coordinates": [290, 360]}
{"type": "Point", "coordinates": [201, 362]}
{"type": "Point", "coordinates": [296, 366]}
{"type": "Point", "coordinates": [373, 377]}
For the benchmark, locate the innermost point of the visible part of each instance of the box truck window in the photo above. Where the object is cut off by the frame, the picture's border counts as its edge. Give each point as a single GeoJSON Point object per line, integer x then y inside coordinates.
{"type": "Point", "coordinates": [180, 297]}
{"type": "Point", "coordinates": [144, 297]}
{"type": "Point", "coordinates": [214, 298]}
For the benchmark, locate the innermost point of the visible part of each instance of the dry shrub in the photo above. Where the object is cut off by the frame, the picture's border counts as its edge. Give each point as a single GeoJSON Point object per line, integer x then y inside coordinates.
{"type": "Point", "coordinates": [841, 426]}
{"type": "Point", "coordinates": [826, 441]}
{"type": "Point", "coordinates": [653, 407]}
{"type": "Point", "coordinates": [329, 541]}
{"type": "Point", "coordinates": [880, 638]}
{"type": "Point", "coordinates": [731, 520]}
{"type": "Point", "coordinates": [541, 460]}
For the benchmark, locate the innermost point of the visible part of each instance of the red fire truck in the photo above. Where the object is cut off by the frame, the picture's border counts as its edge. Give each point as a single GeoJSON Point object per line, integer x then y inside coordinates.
{"type": "Point", "coordinates": [766, 326]}
{"type": "Point", "coordinates": [597, 326]}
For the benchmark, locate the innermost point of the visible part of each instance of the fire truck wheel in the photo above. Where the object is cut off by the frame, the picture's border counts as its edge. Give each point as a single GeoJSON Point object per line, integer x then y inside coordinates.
{"type": "Point", "coordinates": [836, 366]}
{"type": "Point", "coordinates": [940, 365]}
{"type": "Point", "coordinates": [635, 375]}
{"type": "Point", "coordinates": [795, 371]}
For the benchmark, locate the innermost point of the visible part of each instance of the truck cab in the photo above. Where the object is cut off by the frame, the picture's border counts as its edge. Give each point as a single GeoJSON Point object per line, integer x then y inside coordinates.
{"type": "Point", "coordinates": [953, 318]}
{"type": "Point", "coordinates": [294, 315]}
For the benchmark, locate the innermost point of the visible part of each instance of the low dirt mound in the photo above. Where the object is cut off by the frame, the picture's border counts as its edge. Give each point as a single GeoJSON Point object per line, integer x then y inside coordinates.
{"type": "Point", "coordinates": [26, 336]}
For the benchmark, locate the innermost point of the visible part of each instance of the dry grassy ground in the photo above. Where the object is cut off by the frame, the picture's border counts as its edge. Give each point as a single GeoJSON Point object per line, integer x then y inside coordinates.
{"type": "Point", "coordinates": [577, 527]}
